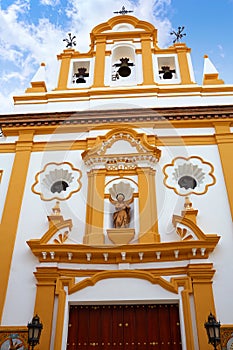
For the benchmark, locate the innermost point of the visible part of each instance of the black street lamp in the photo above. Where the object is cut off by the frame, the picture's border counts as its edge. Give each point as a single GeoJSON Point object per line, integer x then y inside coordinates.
{"type": "Point", "coordinates": [34, 332]}
{"type": "Point", "coordinates": [213, 331]}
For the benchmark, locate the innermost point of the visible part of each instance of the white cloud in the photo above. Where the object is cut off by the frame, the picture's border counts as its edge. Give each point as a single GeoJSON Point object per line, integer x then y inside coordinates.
{"type": "Point", "coordinates": [221, 51]}
{"type": "Point", "coordinates": [24, 45]}
{"type": "Point", "coordinates": [151, 10]}
{"type": "Point", "coordinates": [49, 2]}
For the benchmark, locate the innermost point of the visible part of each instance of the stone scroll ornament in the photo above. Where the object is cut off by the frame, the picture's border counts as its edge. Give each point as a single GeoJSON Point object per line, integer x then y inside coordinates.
{"type": "Point", "coordinates": [121, 196]}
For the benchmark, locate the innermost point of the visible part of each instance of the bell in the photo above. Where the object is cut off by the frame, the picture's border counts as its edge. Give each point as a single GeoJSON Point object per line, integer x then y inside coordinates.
{"type": "Point", "coordinates": [124, 70]}
{"type": "Point", "coordinates": [80, 80]}
{"type": "Point", "coordinates": [81, 75]}
{"type": "Point", "coordinates": [167, 72]}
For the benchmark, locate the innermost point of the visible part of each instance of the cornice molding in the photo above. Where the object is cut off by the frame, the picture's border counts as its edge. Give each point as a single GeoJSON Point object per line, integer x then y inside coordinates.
{"type": "Point", "coordinates": [210, 115]}
{"type": "Point", "coordinates": [133, 253]}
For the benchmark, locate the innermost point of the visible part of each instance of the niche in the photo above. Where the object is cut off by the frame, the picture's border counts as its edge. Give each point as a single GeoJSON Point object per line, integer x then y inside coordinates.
{"type": "Point", "coordinates": [123, 64]}
{"type": "Point", "coordinates": [81, 72]}
{"type": "Point", "coordinates": [167, 70]}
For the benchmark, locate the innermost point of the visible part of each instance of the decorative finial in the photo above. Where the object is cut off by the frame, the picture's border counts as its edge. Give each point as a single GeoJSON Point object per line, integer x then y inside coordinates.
{"type": "Point", "coordinates": [70, 41]}
{"type": "Point", "coordinates": [56, 209]}
{"type": "Point", "coordinates": [123, 11]}
{"type": "Point", "coordinates": [188, 204]}
{"type": "Point", "coordinates": [179, 35]}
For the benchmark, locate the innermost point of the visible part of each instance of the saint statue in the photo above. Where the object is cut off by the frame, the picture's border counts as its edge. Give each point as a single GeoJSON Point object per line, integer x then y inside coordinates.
{"type": "Point", "coordinates": [121, 201]}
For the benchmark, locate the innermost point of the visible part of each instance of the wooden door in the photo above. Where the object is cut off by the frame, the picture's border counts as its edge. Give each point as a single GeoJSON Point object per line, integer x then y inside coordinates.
{"type": "Point", "coordinates": [124, 327]}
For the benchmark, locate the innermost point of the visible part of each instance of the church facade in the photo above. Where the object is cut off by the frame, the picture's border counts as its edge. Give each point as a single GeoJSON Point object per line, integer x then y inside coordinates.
{"type": "Point", "coordinates": [117, 199]}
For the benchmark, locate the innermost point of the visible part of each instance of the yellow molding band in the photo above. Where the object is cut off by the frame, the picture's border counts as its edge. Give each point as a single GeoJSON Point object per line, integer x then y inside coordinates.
{"type": "Point", "coordinates": [75, 145]}
{"type": "Point", "coordinates": [7, 148]}
{"type": "Point", "coordinates": [11, 211]}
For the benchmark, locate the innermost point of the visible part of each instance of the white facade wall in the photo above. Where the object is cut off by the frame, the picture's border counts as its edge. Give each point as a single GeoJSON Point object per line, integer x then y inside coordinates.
{"type": "Point", "coordinates": [213, 217]}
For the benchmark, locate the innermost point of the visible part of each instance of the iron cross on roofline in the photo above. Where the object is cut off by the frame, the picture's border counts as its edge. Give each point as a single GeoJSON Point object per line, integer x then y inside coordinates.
{"type": "Point", "coordinates": [123, 11]}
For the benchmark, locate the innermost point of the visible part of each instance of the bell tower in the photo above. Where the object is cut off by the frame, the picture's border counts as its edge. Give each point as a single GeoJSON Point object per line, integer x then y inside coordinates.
{"type": "Point", "coordinates": [124, 52]}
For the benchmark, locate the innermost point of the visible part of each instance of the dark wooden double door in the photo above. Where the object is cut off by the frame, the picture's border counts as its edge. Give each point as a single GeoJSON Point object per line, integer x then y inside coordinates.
{"type": "Point", "coordinates": [124, 327]}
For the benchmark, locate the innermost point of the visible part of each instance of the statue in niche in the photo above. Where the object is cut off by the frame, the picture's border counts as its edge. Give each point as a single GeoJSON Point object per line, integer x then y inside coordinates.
{"type": "Point", "coordinates": [121, 197]}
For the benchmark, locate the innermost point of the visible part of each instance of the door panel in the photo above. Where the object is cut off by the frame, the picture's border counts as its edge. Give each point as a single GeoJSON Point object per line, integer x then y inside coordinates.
{"type": "Point", "coordinates": [124, 327]}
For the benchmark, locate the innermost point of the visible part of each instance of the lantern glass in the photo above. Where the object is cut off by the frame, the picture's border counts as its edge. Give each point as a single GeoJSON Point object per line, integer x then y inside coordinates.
{"type": "Point", "coordinates": [34, 331]}
{"type": "Point", "coordinates": [213, 330]}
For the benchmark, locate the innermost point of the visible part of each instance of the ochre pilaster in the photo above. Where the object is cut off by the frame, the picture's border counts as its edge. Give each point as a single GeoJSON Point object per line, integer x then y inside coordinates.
{"type": "Point", "coordinates": [99, 63]}
{"type": "Point", "coordinates": [201, 275]}
{"type": "Point", "coordinates": [11, 211]}
{"type": "Point", "coordinates": [64, 69]}
{"type": "Point", "coordinates": [44, 304]}
{"type": "Point", "coordinates": [95, 207]}
{"type": "Point", "coordinates": [185, 283]}
{"type": "Point", "coordinates": [147, 64]}
{"type": "Point", "coordinates": [224, 141]}
{"type": "Point", "coordinates": [147, 206]}
{"type": "Point", "coordinates": [60, 311]}
{"type": "Point", "coordinates": [182, 51]}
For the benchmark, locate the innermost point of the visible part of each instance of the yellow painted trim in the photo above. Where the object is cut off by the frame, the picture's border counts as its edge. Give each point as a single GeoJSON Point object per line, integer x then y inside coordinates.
{"type": "Point", "coordinates": [11, 211]}
{"type": "Point", "coordinates": [99, 276]}
{"type": "Point", "coordinates": [60, 311]}
{"type": "Point", "coordinates": [182, 51]}
{"type": "Point", "coordinates": [203, 247]}
{"type": "Point", "coordinates": [64, 69]}
{"type": "Point", "coordinates": [9, 147]}
{"type": "Point", "coordinates": [57, 197]}
{"type": "Point", "coordinates": [147, 63]}
{"type": "Point", "coordinates": [203, 299]}
{"type": "Point", "coordinates": [185, 282]}
{"type": "Point", "coordinates": [54, 228]}
{"type": "Point", "coordinates": [224, 141]}
{"type": "Point", "coordinates": [106, 92]}
{"type": "Point", "coordinates": [99, 63]}
{"type": "Point", "coordinates": [196, 281]}
{"type": "Point", "coordinates": [135, 22]}
{"type": "Point", "coordinates": [1, 173]}
{"type": "Point", "coordinates": [95, 208]}
{"type": "Point", "coordinates": [193, 191]}
{"type": "Point", "coordinates": [171, 49]}
{"type": "Point", "coordinates": [171, 286]}
{"type": "Point", "coordinates": [212, 79]}
{"type": "Point", "coordinates": [44, 303]}
{"type": "Point", "coordinates": [147, 207]}
{"type": "Point", "coordinates": [13, 329]}
{"type": "Point", "coordinates": [36, 86]}
{"type": "Point", "coordinates": [121, 133]}
{"type": "Point", "coordinates": [82, 145]}
{"type": "Point", "coordinates": [89, 143]}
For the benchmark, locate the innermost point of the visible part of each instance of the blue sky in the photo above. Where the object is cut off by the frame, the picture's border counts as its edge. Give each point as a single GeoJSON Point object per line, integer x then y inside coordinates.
{"type": "Point", "coordinates": [32, 32]}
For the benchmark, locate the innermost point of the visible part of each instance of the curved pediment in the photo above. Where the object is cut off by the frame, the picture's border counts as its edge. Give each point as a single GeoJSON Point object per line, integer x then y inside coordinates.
{"type": "Point", "coordinates": [126, 19]}
{"type": "Point", "coordinates": [122, 146]}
